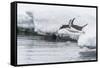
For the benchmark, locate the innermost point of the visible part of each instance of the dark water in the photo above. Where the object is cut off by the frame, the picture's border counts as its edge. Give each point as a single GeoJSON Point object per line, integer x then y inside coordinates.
{"type": "Point", "coordinates": [34, 49]}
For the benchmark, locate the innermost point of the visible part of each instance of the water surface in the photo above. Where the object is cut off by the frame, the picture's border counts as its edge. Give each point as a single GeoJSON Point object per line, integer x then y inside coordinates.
{"type": "Point", "coordinates": [34, 49]}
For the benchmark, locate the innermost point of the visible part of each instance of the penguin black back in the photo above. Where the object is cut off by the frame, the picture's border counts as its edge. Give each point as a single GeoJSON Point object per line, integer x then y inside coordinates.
{"type": "Point", "coordinates": [76, 26]}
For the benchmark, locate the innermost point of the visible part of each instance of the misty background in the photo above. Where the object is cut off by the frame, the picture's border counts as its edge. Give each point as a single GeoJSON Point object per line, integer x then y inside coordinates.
{"type": "Point", "coordinates": [48, 18]}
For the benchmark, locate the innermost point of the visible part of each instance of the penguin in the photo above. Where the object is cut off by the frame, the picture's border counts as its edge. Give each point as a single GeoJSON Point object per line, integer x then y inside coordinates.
{"type": "Point", "coordinates": [75, 29]}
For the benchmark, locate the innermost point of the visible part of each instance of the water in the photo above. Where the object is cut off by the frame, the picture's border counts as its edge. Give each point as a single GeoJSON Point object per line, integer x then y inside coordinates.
{"type": "Point", "coordinates": [34, 49]}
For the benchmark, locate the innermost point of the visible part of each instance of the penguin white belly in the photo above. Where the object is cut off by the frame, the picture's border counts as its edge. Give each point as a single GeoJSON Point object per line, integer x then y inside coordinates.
{"type": "Point", "coordinates": [69, 33]}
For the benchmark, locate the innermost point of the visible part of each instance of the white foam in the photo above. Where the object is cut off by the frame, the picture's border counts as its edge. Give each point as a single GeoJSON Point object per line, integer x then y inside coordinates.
{"type": "Point", "coordinates": [88, 38]}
